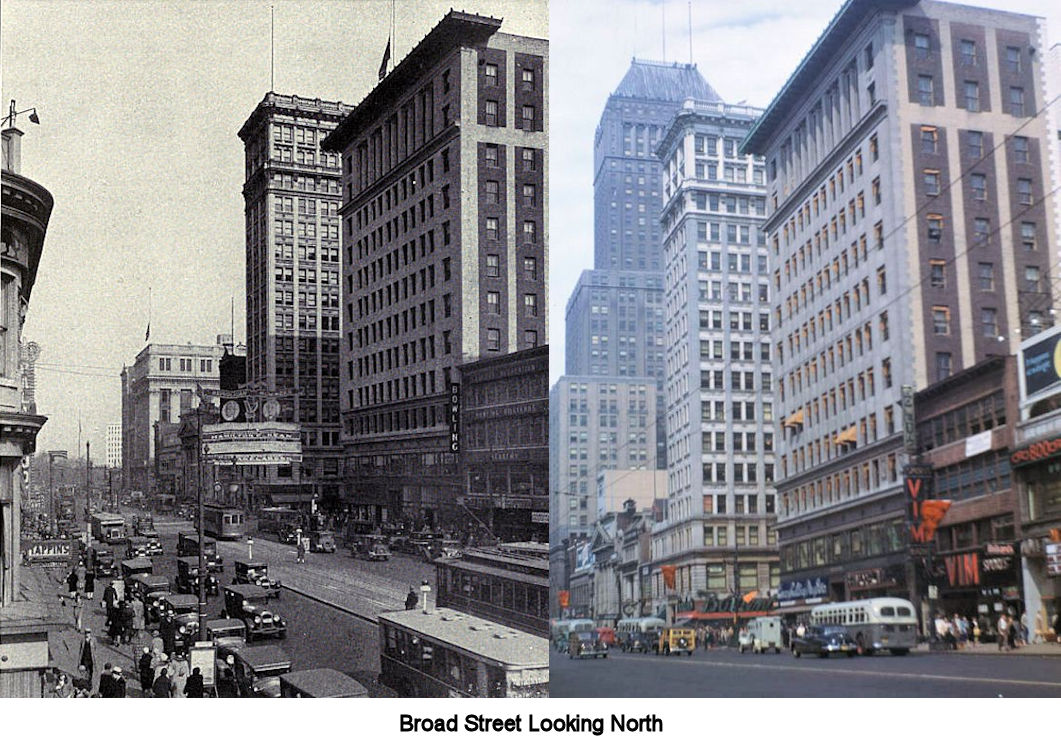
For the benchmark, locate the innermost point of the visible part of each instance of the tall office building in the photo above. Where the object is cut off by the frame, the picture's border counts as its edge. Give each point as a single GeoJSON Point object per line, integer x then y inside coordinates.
{"type": "Point", "coordinates": [292, 197]}
{"type": "Point", "coordinates": [114, 445]}
{"type": "Point", "coordinates": [445, 236]}
{"type": "Point", "coordinates": [910, 233]}
{"type": "Point", "coordinates": [717, 529]}
{"type": "Point", "coordinates": [162, 383]}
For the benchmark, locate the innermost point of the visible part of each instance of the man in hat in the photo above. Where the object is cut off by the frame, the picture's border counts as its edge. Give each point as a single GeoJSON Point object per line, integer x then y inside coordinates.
{"type": "Point", "coordinates": [162, 685]}
{"type": "Point", "coordinates": [117, 682]}
{"type": "Point", "coordinates": [147, 670]}
{"type": "Point", "coordinates": [105, 680]}
{"type": "Point", "coordinates": [194, 686]}
{"type": "Point", "coordinates": [86, 655]}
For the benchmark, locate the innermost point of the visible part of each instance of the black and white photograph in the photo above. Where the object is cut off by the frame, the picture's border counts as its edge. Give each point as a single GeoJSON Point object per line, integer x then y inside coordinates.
{"type": "Point", "coordinates": [274, 349]}
{"type": "Point", "coordinates": [804, 376]}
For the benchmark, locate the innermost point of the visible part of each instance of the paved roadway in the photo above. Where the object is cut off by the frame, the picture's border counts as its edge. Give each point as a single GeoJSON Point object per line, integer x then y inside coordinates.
{"type": "Point", "coordinates": [726, 673]}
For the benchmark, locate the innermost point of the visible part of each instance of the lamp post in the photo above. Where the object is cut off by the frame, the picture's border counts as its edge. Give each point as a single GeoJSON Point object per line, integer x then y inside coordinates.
{"type": "Point", "coordinates": [9, 119]}
{"type": "Point", "coordinates": [199, 515]}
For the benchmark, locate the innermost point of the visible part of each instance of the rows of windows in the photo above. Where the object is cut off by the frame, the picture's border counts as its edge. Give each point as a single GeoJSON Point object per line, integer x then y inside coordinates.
{"type": "Point", "coordinates": [980, 475]}
{"type": "Point", "coordinates": [839, 485]}
{"type": "Point", "coordinates": [968, 91]}
{"type": "Point", "coordinates": [744, 535]}
{"type": "Point", "coordinates": [185, 364]}
{"type": "Point", "coordinates": [850, 545]}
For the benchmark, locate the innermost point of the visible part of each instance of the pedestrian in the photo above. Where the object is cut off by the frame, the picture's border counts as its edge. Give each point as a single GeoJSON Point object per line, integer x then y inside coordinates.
{"type": "Point", "coordinates": [125, 618]}
{"type": "Point", "coordinates": [71, 582]}
{"type": "Point", "coordinates": [301, 550]}
{"type": "Point", "coordinates": [110, 598]}
{"type": "Point", "coordinates": [976, 632]}
{"type": "Point", "coordinates": [1014, 632]}
{"type": "Point", "coordinates": [1003, 632]}
{"type": "Point", "coordinates": [118, 682]}
{"type": "Point", "coordinates": [81, 571]}
{"type": "Point", "coordinates": [162, 685]}
{"type": "Point", "coordinates": [147, 670]}
{"type": "Point", "coordinates": [82, 683]}
{"type": "Point", "coordinates": [137, 608]}
{"type": "Point", "coordinates": [106, 681]}
{"type": "Point", "coordinates": [63, 687]}
{"type": "Point", "coordinates": [179, 675]}
{"type": "Point", "coordinates": [114, 629]}
{"type": "Point", "coordinates": [157, 646]}
{"type": "Point", "coordinates": [194, 686]}
{"type": "Point", "coordinates": [410, 599]}
{"type": "Point", "coordinates": [1024, 629]}
{"type": "Point", "coordinates": [90, 583]}
{"type": "Point", "coordinates": [1057, 627]}
{"type": "Point", "coordinates": [86, 656]}
{"type": "Point", "coordinates": [119, 589]}
{"type": "Point", "coordinates": [79, 612]}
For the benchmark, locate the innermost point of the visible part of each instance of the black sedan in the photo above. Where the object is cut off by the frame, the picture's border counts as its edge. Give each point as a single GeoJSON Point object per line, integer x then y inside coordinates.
{"type": "Point", "coordinates": [584, 645]}
{"type": "Point", "coordinates": [824, 640]}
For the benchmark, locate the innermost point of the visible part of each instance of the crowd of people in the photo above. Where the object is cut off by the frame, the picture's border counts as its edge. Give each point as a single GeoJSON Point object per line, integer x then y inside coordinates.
{"type": "Point", "coordinates": [959, 631]}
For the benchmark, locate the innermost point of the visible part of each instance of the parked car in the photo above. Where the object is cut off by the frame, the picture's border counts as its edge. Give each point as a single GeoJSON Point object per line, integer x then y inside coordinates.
{"type": "Point", "coordinates": [104, 563]}
{"type": "Point", "coordinates": [188, 577]}
{"type": "Point", "coordinates": [148, 588]}
{"type": "Point", "coordinates": [140, 546]}
{"type": "Point", "coordinates": [322, 541]}
{"type": "Point", "coordinates": [251, 671]}
{"type": "Point", "coordinates": [256, 572]}
{"type": "Point", "coordinates": [139, 565]}
{"type": "Point", "coordinates": [676, 640]}
{"type": "Point", "coordinates": [585, 644]}
{"type": "Point", "coordinates": [249, 603]}
{"type": "Point", "coordinates": [320, 683]}
{"type": "Point", "coordinates": [226, 632]}
{"type": "Point", "coordinates": [824, 640]}
{"type": "Point", "coordinates": [178, 621]}
{"type": "Point", "coordinates": [188, 545]}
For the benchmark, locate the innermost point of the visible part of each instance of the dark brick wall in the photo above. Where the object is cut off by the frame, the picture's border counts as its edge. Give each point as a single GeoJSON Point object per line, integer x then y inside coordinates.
{"type": "Point", "coordinates": [965, 72]}
{"type": "Point", "coordinates": [494, 92]}
{"type": "Point", "coordinates": [921, 63]}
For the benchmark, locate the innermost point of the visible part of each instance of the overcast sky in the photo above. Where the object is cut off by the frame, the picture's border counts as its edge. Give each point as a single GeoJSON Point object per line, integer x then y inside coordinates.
{"type": "Point", "coordinates": [745, 50]}
{"type": "Point", "coordinates": [140, 104]}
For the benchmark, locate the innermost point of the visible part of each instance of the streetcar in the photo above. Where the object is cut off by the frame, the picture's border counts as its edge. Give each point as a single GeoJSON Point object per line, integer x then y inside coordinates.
{"type": "Point", "coordinates": [281, 521]}
{"type": "Point", "coordinates": [876, 624]}
{"type": "Point", "coordinates": [224, 523]}
{"type": "Point", "coordinates": [446, 653]}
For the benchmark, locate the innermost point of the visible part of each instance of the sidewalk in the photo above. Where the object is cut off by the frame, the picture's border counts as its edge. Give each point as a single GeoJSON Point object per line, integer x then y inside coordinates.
{"type": "Point", "coordinates": [64, 646]}
{"type": "Point", "coordinates": [991, 649]}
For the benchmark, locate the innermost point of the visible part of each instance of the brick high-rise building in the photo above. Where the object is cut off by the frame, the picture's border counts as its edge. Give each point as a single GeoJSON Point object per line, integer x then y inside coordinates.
{"type": "Point", "coordinates": [911, 237]}
{"type": "Point", "coordinates": [445, 243]}
{"type": "Point", "coordinates": [292, 197]}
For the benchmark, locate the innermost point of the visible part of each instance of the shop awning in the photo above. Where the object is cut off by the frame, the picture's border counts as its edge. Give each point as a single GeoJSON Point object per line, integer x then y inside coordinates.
{"type": "Point", "coordinates": [849, 435]}
{"type": "Point", "coordinates": [707, 616]}
{"type": "Point", "coordinates": [287, 497]}
{"type": "Point", "coordinates": [794, 419]}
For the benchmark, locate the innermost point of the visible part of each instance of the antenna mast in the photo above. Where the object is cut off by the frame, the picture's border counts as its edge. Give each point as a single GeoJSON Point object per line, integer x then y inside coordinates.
{"type": "Point", "coordinates": [272, 49]}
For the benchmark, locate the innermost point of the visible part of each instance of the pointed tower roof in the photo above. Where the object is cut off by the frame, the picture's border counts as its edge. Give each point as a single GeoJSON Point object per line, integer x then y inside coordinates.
{"type": "Point", "coordinates": [667, 81]}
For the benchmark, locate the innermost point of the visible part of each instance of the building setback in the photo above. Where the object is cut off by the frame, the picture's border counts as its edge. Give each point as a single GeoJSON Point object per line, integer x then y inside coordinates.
{"type": "Point", "coordinates": [162, 384]}
{"type": "Point", "coordinates": [114, 445]}
{"type": "Point", "coordinates": [292, 197]}
{"type": "Point", "coordinates": [717, 529]}
{"type": "Point", "coordinates": [885, 273]}
{"type": "Point", "coordinates": [445, 241]}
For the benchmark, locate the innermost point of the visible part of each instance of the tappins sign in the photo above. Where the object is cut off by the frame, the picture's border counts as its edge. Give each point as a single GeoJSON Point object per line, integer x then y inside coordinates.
{"type": "Point", "coordinates": [454, 417]}
{"type": "Point", "coordinates": [923, 514]}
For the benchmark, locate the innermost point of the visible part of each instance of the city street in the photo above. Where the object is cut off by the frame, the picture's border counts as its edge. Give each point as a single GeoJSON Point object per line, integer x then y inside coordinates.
{"type": "Point", "coordinates": [727, 673]}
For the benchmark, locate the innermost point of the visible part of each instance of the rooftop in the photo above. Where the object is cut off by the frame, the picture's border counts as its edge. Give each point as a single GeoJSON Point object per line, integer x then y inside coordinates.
{"type": "Point", "coordinates": [493, 641]}
{"type": "Point", "coordinates": [665, 81]}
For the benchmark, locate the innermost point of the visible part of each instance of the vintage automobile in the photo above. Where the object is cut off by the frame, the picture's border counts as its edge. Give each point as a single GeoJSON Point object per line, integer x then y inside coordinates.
{"type": "Point", "coordinates": [251, 671]}
{"type": "Point", "coordinates": [824, 640]}
{"type": "Point", "coordinates": [322, 541]}
{"type": "Point", "coordinates": [676, 640]}
{"type": "Point", "coordinates": [226, 632]}
{"type": "Point", "coordinates": [188, 577]}
{"type": "Point", "coordinates": [249, 603]}
{"type": "Point", "coordinates": [368, 546]}
{"type": "Point", "coordinates": [142, 546]}
{"type": "Point", "coordinates": [188, 545]}
{"type": "Point", "coordinates": [178, 621]}
{"type": "Point", "coordinates": [104, 563]}
{"type": "Point", "coordinates": [584, 645]}
{"type": "Point", "coordinates": [139, 565]}
{"type": "Point", "coordinates": [149, 589]}
{"type": "Point", "coordinates": [320, 683]}
{"type": "Point", "coordinates": [144, 525]}
{"type": "Point", "coordinates": [256, 572]}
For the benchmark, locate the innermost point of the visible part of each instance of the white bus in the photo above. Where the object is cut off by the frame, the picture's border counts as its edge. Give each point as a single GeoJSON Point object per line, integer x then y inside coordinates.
{"type": "Point", "coordinates": [876, 624]}
{"type": "Point", "coordinates": [560, 629]}
{"type": "Point", "coordinates": [639, 634]}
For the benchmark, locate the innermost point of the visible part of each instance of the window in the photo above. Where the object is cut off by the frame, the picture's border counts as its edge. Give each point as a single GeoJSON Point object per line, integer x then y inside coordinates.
{"type": "Point", "coordinates": [493, 339]}
{"type": "Point", "coordinates": [935, 227]}
{"type": "Point", "coordinates": [943, 366]}
{"type": "Point", "coordinates": [491, 192]}
{"type": "Point", "coordinates": [978, 185]}
{"type": "Point", "coordinates": [921, 44]}
{"type": "Point", "coordinates": [975, 142]}
{"type": "Point", "coordinates": [1020, 150]}
{"type": "Point", "coordinates": [882, 281]}
{"type": "Point", "coordinates": [1024, 191]}
{"type": "Point", "coordinates": [530, 339]}
{"type": "Point", "coordinates": [491, 112]}
{"type": "Point", "coordinates": [1016, 101]}
{"type": "Point", "coordinates": [1027, 236]}
{"type": "Point", "coordinates": [1013, 59]}
{"type": "Point", "coordinates": [530, 304]}
{"type": "Point", "coordinates": [940, 320]}
{"type": "Point", "coordinates": [937, 273]}
{"type": "Point", "coordinates": [530, 195]}
{"type": "Point", "coordinates": [968, 52]}
{"type": "Point", "coordinates": [972, 96]}
{"type": "Point", "coordinates": [989, 322]}
{"type": "Point", "coordinates": [527, 78]}
{"type": "Point", "coordinates": [490, 155]}
{"type": "Point", "coordinates": [925, 89]}
{"type": "Point", "coordinates": [528, 117]}
{"type": "Point", "coordinates": [529, 232]}
{"type": "Point", "coordinates": [931, 182]}
{"type": "Point", "coordinates": [981, 231]}
{"type": "Point", "coordinates": [1031, 278]}
{"type": "Point", "coordinates": [490, 72]}
{"type": "Point", "coordinates": [530, 268]}
{"type": "Point", "coordinates": [929, 139]}
{"type": "Point", "coordinates": [491, 229]}
{"type": "Point", "coordinates": [493, 266]}
{"type": "Point", "coordinates": [528, 160]}
{"type": "Point", "coordinates": [986, 272]}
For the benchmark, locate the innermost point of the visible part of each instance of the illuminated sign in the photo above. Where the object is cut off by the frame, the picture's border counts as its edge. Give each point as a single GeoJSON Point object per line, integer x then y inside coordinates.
{"type": "Point", "coordinates": [1041, 363]}
{"type": "Point", "coordinates": [47, 552]}
{"type": "Point", "coordinates": [454, 417]}
{"type": "Point", "coordinates": [251, 444]}
{"type": "Point", "coordinates": [1035, 452]}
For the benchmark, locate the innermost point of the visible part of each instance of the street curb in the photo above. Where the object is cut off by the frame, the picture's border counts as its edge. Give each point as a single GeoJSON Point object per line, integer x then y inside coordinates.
{"type": "Point", "coordinates": [321, 600]}
{"type": "Point", "coordinates": [1022, 654]}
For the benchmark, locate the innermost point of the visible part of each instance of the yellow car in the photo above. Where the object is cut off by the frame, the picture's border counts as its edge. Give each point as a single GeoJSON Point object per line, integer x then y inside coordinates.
{"type": "Point", "coordinates": [677, 640]}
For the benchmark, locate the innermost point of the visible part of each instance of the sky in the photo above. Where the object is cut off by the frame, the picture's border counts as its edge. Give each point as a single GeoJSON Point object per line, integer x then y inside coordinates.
{"type": "Point", "coordinates": [140, 104]}
{"type": "Point", "coordinates": [746, 50]}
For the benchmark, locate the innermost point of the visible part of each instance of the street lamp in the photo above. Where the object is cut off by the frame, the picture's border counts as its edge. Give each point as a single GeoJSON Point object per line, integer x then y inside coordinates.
{"type": "Point", "coordinates": [9, 119]}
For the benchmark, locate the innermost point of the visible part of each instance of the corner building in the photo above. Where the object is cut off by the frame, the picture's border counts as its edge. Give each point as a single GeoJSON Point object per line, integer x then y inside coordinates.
{"type": "Point", "coordinates": [291, 195]}
{"type": "Point", "coordinates": [906, 177]}
{"type": "Point", "coordinates": [444, 231]}
{"type": "Point", "coordinates": [717, 528]}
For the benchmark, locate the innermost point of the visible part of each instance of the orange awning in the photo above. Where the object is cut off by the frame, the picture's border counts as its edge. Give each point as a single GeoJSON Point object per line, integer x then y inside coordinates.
{"type": "Point", "coordinates": [847, 436]}
{"type": "Point", "coordinates": [795, 418]}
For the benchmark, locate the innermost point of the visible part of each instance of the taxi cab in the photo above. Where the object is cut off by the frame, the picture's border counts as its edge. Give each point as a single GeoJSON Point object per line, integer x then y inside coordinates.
{"type": "Point", "coordinates": [256, 572]}
{"type": "Point", "coordinates": [320, 683]}
{"type": "Point", "coordinates": [251, 671]}
{"type": "Point", "coordinates": [677, 640]}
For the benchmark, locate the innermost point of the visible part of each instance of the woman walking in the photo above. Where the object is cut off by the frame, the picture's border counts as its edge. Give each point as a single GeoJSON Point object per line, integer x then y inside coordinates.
{"type": "Point", "coordinates": [90, 583]}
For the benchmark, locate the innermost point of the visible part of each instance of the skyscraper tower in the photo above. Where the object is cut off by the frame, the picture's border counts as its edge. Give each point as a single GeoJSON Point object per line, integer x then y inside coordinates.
{"type": "Point", "coordinates": [292, 197]}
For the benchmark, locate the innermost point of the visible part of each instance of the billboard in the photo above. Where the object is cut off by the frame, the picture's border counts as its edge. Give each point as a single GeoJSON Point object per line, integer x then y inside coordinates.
{"type": "Point", "coordinates": [251, 444]}
{"type": "Point", "coordinates": [1040, 361]}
